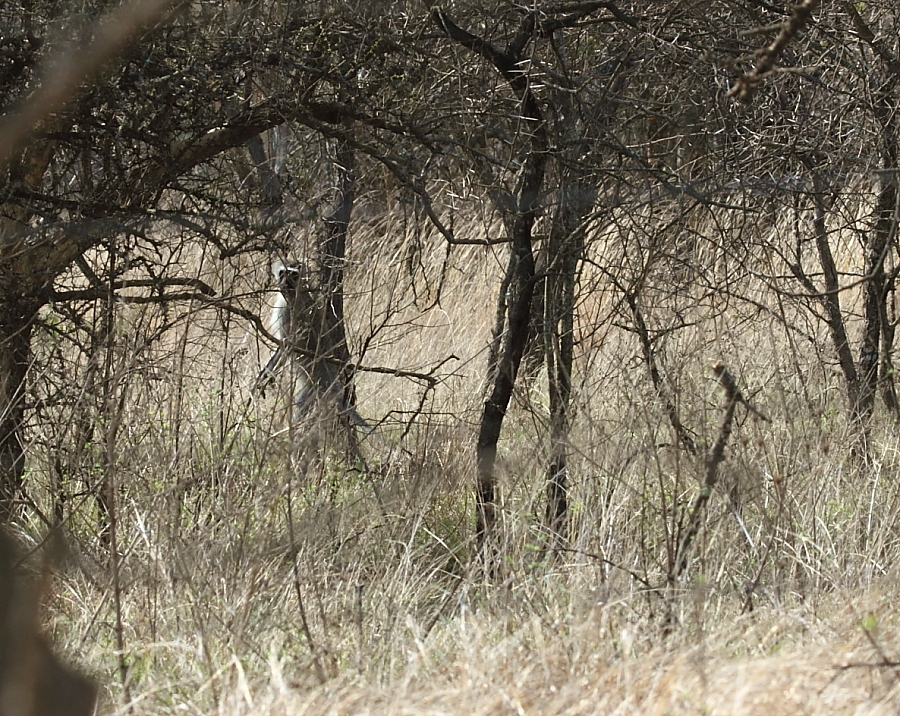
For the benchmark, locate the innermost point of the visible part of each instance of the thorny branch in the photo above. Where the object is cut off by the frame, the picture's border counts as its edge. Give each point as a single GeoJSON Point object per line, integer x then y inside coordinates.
{"type": "Point", "coordinates": [747, 83]}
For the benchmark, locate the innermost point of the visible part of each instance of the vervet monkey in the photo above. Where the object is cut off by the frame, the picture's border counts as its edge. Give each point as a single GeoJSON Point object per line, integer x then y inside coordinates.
{"type": "Point", "coordinates": [297, 310]}
{"type": "Point", "coordinates": [307, 343]}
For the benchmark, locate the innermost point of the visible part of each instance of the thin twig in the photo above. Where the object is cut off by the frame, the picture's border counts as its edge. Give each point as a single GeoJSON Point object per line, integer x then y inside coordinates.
{"type": "Point", "coordinates": [298, 590]}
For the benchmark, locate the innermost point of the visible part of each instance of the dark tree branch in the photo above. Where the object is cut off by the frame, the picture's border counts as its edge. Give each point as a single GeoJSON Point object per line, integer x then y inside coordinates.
{"type": "Point", "coordinates": [102, 292]}
{"type": "Point", "coordinates": [711, 477]}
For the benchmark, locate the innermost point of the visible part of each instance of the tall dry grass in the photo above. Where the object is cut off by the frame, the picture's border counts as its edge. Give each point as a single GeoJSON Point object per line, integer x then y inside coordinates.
{"type": "Point", "coordinates": [247, 588]}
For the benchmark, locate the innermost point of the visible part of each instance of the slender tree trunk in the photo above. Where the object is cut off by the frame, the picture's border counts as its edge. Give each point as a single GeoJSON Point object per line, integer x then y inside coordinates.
{"type": "Point", "coordinates": [495, 407]}
{"type": "Point", "coordinates": [522, 274]}
{"type": "Point", "coordinates": [559, 350]}
{"type": "Point", "coordinates": [521, 291]}
{"type": "Point", "coordinates": [874, 294]}
{"type": "Point", "coordinates": [878, 333]}
{"type": "Point", "coordinates": [576, 197]}
{"type": "Point", "coordinates": [16, 323]}
{"type": "Point", "coordinates": [878, 244]}
{"type": "Point", "coordinates": [860, 378]}
{"type": "Point", "coordinates": [332, 252]}
{"type": "Point", "coordinates": [519, 300]}
{"type": "Point", "coordinates": [831, 302]}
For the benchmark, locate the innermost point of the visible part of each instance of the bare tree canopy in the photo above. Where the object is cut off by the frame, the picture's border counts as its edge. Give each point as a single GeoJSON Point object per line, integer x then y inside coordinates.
{"type": "Point", "coordinates": [526, 233]}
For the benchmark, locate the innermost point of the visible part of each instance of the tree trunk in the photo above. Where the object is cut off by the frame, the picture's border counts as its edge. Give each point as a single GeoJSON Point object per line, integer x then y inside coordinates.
{"type": "Point", "coordinates": [16, 323]}
{"type": "Point", "coordinates": [521, 285]}
{"type": "Point", "coordinates": [874, 295]}
{"type": "Point", "coordinates": [269, 183]}
{"type": "Point", "coordinates": [576, 198]}
{"type": "Point", "coordinates": [558, 349]}
{"type": "Point", "coordinates": [878, 244]}
{"type": "Point", "coordinates": [332, 252]}
{"type": "Point", "coordinates": [831, 302]}
{"type": "Point", "coordinates": [522, 289]}
{"type": "Point", "coordinates": [577, 194]}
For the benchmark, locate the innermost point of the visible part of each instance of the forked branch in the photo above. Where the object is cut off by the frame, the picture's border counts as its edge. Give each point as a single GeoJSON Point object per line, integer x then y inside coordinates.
{"type": "Point", "coordinates": [733, 397]}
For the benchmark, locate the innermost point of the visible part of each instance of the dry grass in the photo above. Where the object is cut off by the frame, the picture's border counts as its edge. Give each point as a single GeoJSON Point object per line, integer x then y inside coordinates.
{"type": "Point", "coordinates": [773, 662]}
{"type": "Point", "coordinates": [225, 551]}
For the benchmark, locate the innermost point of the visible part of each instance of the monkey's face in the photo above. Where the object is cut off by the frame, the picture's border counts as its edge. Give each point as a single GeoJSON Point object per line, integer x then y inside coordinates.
{"type": "Point", "coordinates": [292, 279]}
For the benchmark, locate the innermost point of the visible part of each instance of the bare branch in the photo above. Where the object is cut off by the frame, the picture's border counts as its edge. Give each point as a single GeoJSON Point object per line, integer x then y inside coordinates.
{"type": "Point", "coordinates": [63, 77]}
{"type": "Point", "coordinates": [746, 85]}
{"type": "Point", "coordinates": [92, 294]}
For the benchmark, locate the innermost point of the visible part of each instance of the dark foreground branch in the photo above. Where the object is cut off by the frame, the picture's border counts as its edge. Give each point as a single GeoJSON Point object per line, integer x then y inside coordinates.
{"type": "Point", "coordinates": [711, 477]}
